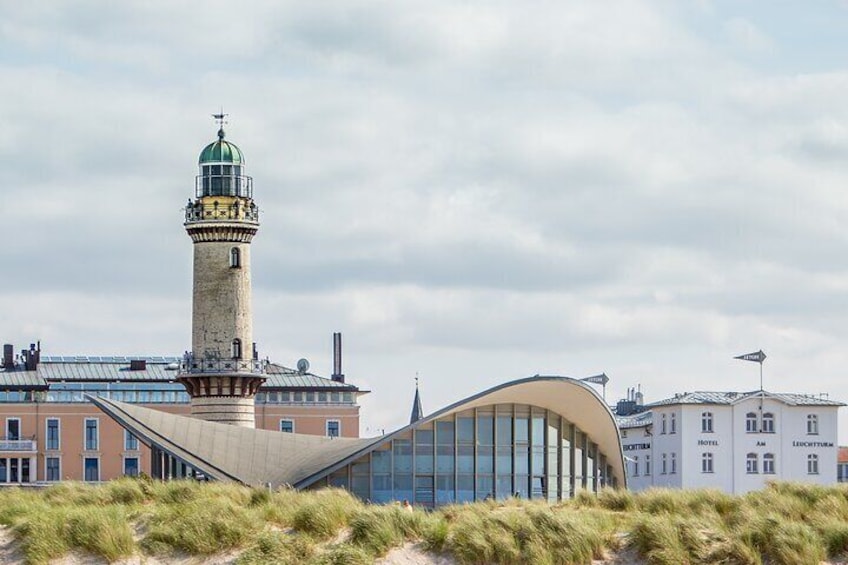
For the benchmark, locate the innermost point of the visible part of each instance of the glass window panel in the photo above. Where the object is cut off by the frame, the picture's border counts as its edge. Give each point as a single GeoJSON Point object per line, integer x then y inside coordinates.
{"type": "Point", "coordinates": [382, 461]}
{"type": "Point", "coordinates": [553, 461]}
{"type": "Point", "coordinates": [553, 430]}
{"type": "Point", "coordinates": [522, 489]}
{"type": "Point", "coordinates": [522, 460]}
{"type": "Point", "coordinates": [465, 430]}
{"type": "Point", "coordinates": [485, 487]}
{"type": "Point", "coordinates": [403, 487]}
{"type": "Point", "coordinates": [424, 490]}
{"type": "Point", "coordinates": [538, 430]}
{"type": "Point", "coordinates": [361, 466]}
{"type": "Point", "coordinates": [485, 461]}
{"type": "Point", "coordinates": [444, 489]}
{"type": "Point", "coordinates": [503, 487]}
{"type": "Point", "coordinates": [485, 429]}
{"type": "Point", "coordinates": [465, 459]}
{"type": "Point", "coordinates": [538, 461]}
{"type": "Point", "coordinates": [444, 433]}
{"type": "Point", "coordinates": [403, 456]}
{"type": "Point", "coordinates": [504, 426]}
{"type": "Point", "coordinates": [504, 460]}
{"type": "Point", "coordinates": [522, 430]}
{"type": "Point", "coordinates": [424, 458]}
{"type": "Point", "coordinates": [359, 486]}
{"type": "Point", "coordinates": [465, 488]}
{"type": "Point", "coordinates": [424, 437]}
{"type": "Point", "coordinates": [538, 487]}
{"type": "Point", "coordinates": [445, 459]}
{"type": "Point", "coordinates": [382, 488]}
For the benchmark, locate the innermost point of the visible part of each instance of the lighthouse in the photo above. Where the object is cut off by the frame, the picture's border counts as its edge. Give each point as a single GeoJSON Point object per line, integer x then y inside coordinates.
{"type": "Point", "coordinates": [222, 372]}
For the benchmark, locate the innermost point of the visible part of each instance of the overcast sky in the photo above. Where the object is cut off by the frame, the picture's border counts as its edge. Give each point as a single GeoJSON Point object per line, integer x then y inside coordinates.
{"type": "Point", "coordinates": [474, 192]}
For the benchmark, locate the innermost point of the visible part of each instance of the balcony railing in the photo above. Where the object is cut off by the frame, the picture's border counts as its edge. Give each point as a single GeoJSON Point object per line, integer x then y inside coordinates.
{"type": "Point", "coordinates": [238, 211]}
{"type": "Point", "coordinates": [193, 365]}
{"type": "Point", "coordinates": [18, 445]}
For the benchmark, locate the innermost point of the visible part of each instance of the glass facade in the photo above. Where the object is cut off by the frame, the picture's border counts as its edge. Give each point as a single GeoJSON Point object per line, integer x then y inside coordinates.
{"type": "Point", "coordinates": [491, 452]}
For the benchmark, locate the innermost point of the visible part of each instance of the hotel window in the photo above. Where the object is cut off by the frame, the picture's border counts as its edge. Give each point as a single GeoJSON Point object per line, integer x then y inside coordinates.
{"type": "Point", "coordinates": [768, 423]}
{"type": "Point", "coordinates": [334, 428]}
{"type": "Point", "coordinates": [130, 442]}
{"type": "Point", "coordinates": [751, 423]}
{"type": "Point", "coordinates": [751, 463]}
{"type": "Point", "coordinates": [673, 463]}
{"type": "Point", "coordinates": [287, 426]}
{"type": "Point", "coordinates": [664, 468]}
{"type": "Point", "coordinates": [647, 465]}
{"type": "Point", "coordinates": [130, 466]}
{"type": "Point", "coordinates": [707, 423]}
{"type": "Point", "coordinates": [768, 463]}
{"type": "Point", "coordinates": [52, 433]}
{"type": "Point", "coordinates": [235, 258]}
{"type": "Point", "coordinates": [51, 470]}
{"type": "Point", "coordinates": [812, 424]}
{"type": "Point", "coordinates": [91, 435]}
{"type": "Point", "coordinates": [812, 464]}
{"type": "Point", "coordinates": [91, 468]}
{"type": "Point", "coordinates": [662, 424]}
{"type": "Point", "coordinates": [636, 466]}
{"type": "Point", "coordinates": [673, 423]}
{"type": "Point", "coordinates": [706, 462]}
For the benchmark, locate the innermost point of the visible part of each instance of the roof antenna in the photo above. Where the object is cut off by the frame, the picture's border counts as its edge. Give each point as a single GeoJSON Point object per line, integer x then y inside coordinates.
{"type": "Point", "coordinates": [219, 117]}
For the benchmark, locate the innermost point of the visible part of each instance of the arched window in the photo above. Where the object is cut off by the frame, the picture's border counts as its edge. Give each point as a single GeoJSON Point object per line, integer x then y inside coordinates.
{"type": "Point", "coordinates": [236, 348]}
{"type": "Point", "coordinates": [663, 424]}
{"type": "Point", "coordinates": [235, 258]}
{"type": "Point", "coordinates": [768, 423]}
{"type": "Point", "coordinates": [751, 463]}
{"type": "Point", "coordinates": [812, 424]}
{"type": "Point", "coordinates": [768, 463]}
{"type": "Point", "coordinates": [707, 422]}
{"type": "Point", "coordinates": [751, 423]}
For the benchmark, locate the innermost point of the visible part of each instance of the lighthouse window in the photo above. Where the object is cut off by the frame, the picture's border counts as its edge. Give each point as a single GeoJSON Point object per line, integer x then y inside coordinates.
{"type": "Point", "coordinates": [236, 348]}
{"type": "Point", "coordinates": [235, 258]}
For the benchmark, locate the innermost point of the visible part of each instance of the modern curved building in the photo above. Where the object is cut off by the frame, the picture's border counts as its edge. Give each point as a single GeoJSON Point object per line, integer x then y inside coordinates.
{"type": "Point", "coordinates": [540, 437]}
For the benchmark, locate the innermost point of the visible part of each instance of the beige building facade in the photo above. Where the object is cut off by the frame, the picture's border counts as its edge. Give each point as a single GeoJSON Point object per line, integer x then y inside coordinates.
{"type": "Point", "coordinates": [51, 432]}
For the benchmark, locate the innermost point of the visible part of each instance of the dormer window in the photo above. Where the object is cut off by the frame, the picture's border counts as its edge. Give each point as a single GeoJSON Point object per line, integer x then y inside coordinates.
{"type": "Point", "coordinates": [235, 258]}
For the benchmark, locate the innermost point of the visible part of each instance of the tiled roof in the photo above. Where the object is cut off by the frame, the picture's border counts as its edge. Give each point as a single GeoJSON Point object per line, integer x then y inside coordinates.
{"type": "Point", "coordinates": [634, 420]}
{"type": "Point", "coordinates": [716, 397]}
{"type": "Point", "coordinates": [157, 369]}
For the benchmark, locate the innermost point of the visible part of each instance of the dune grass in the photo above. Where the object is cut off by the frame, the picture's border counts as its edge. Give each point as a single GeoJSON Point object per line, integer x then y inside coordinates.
{"type": "Point", "coordinates": [783, 524]}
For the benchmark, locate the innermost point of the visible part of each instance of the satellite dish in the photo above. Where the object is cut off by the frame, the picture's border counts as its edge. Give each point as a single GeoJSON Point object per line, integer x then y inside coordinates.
{"type": "Point", "coordinates": [302, 366]}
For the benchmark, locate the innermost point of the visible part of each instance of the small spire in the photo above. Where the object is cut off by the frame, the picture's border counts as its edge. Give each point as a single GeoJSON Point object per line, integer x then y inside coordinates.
{"type": "Point", "coordinates": [417, 410]}
{"type": "Point", "coordinates": [219, 117]}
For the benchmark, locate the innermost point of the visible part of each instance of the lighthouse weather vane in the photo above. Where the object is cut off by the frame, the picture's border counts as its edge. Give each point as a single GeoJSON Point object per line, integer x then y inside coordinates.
{"type": "Point", "coordinates": [219, 118]}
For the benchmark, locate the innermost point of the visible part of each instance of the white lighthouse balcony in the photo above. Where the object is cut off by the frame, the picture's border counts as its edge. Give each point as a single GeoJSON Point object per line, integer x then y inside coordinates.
{"type": "Point", "coordinates": [193, 366]}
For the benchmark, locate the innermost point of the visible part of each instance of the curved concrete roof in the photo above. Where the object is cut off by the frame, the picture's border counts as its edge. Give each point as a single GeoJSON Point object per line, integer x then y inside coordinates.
{"type": "Point", "coordinates": [259, 457]}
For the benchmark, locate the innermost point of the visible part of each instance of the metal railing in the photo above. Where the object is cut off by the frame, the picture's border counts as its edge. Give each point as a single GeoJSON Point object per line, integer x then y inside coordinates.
{"type": "Point", "coordinates": [223, 185]}
{"type": "Point", "coordinates": [196, 212]}
{"type": "Point", "coordinates": [18, 445]}
{"type": "Point", "coordinates": [193, 365]}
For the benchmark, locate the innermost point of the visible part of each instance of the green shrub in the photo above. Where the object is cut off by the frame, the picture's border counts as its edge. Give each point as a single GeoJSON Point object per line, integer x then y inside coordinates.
{"type": "Point", "coordinates": [202, 527]}
{"type": "Point", "coordinates": [325, 513]}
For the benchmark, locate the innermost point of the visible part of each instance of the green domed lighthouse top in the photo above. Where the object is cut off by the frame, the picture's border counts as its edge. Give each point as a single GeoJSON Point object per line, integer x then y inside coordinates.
{"type": "Point", "coordinates": [221, 152]}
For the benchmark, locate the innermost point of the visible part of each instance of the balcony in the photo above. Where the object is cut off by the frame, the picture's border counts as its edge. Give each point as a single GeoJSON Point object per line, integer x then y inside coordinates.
{"type": "Point", "coordinates": [18, 445]}
{"type": "Point", "coordinates": [193, 366]}
{"type": "Point", "coordinates": [235, 212]}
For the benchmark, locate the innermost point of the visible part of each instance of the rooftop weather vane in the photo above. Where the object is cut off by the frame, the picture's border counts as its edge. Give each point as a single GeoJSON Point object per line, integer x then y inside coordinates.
{"type": "Point", "coordinates": [219, 118]}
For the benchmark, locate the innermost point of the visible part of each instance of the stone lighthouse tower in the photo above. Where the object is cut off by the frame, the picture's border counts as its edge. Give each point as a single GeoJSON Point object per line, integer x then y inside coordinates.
{"type": "Point", "coordinates": [222, 373]}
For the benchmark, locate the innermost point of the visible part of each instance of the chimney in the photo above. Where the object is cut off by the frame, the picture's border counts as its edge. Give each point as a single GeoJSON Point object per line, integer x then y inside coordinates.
{"type": "Point", "coordinates": [32, 357]}
{"type": "Point", "coordinates": [8, 356]}
{"type": "Point", "coordinates": [138, 364]}
{"type": "Point", "coordinates": [337, 375]}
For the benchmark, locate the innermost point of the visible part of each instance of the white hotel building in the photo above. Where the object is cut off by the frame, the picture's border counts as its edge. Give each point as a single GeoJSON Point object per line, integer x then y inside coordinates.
{"type": "Point", "coordinates": [730, 441]}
